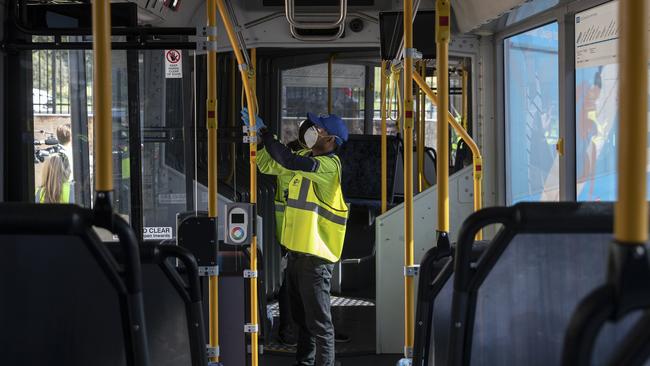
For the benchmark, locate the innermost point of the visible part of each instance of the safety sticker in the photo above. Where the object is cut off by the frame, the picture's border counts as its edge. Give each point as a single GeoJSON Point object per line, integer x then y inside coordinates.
{"type": "Point", "coordinates": [173, 64]}
{"type": "Point", "coordinates": [157, 232]}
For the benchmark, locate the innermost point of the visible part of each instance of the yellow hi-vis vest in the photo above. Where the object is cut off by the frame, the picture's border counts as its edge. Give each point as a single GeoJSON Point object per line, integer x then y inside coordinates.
{"type": "Point", "coordinates": [66, 194]}
{"type": "Point", "coordinates": [315, 213]}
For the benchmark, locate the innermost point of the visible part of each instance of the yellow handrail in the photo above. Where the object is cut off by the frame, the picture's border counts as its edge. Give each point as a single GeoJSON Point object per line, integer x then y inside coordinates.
{"type": "Point", "coordinates": [443, 34]}
{"type": "Point", "coordinates": [102, 96]}
{"type": "Point", "coordinates": [384, 142]}
{"type": "Point", "coordinates": [213, 210]}
{"type": "Point", "coordinates": [252, 105]}
{"type": "Point", "coordinates": [409, 283]}
{"type": "Point", "coordinates": [631, 211]}
{"type": "Point", "coordinates": [478, 159]}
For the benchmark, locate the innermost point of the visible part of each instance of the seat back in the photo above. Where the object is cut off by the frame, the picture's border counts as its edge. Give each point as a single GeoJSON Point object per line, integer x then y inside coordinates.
{"type": "Point", "coordinates": [65, 299]}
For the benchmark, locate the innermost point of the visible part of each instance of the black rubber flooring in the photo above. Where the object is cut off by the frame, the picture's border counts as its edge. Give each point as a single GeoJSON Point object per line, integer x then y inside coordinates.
{"type": "Point", "coordinates": [353, 317]}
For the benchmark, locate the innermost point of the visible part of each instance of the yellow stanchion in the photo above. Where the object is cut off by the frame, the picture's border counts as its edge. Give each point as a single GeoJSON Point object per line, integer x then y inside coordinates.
{"type": "Point", "coordinates": [233, 117]}
{"type": "Point", "coordinates": [102, 98]}
{"type": "Point", "coordinates": [409, 283]}
{"type": "Point", "coordinates": [384, 142]}
{"type": "Point", "coordinates": [251, 102]}
{"type": "Point", "coordinates": [211, 123]}
{"type": "Point", "coordinates": [478, 159]}
{"type": "Point", "coordinates": [631, 212]}
{"type": "Point", "coordinates": [443, 34]}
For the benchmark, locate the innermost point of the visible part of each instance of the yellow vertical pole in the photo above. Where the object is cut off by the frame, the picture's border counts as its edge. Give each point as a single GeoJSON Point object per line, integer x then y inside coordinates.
{"type": "Point", "coordinates": [102, 96]}
{"type": "Point", "coordinates": [253, 172]}
{"type": "Point", "coordinates": [211, 123]}
{"type": "Point", "coordinates": [443, 35]}
{"type": "Point", "coordinates": [421, 132]}
{"type": "Point", "coordinates": [250, 101]}
{"type": "Point", "coordinates": [384, 142]}
{"type": "Point", "coordinates": [330, 66]}
{"type": "Point", "coordinates": [409, 285]}
{"type": "Point", "coordinates": [631, 212]}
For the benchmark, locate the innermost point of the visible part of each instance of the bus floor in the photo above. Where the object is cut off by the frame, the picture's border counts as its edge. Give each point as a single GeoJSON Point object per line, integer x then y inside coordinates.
{"type": "Point", "coordinates": [353, 317]}
{"type": "Point", "coordinates": [369, 360]}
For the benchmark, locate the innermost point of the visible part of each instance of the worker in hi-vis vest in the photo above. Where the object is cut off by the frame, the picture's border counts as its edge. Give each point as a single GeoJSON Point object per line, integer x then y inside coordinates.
{"type": "Point", "coordinates": [313, 226]}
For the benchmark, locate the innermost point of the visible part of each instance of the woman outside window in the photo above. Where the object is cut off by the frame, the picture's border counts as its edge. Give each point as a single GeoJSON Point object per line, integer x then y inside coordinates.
{"type": "Point", "coordinates": [56, 186]}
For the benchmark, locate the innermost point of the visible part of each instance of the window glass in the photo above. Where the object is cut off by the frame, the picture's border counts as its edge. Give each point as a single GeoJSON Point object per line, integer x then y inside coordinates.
{"type": "Point", "coordinates": [63, 127]}
{"type": "Point", "coordinates": [304, 89]}
{"type": "Point", "coordinates": [596, 46]}
{"type": "Point", "coordinates": [532, 115]}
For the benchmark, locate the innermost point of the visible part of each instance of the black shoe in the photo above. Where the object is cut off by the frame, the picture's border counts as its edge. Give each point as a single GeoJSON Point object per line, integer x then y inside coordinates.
{"type": "Point", "coordinates": [341, 337]}
{"type": "Point", "coordinates": [287, 338]}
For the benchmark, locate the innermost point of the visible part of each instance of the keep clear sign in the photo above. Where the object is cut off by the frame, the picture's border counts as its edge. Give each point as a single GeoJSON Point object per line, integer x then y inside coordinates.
{"type": "Point", "coordinates": [157, 232]}
{"type": "Point", "coordinates": [173, 64]}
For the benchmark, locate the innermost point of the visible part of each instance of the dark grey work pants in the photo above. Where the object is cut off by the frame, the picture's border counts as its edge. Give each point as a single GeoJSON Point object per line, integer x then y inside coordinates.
{"type": "Point", "coordinates": [308, 283]}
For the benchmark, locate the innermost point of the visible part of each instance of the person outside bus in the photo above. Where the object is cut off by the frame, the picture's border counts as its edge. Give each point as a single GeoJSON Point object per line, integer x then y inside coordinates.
{"type": "Point", "coordinates": [313, 226]}
{"type": "Point", "coordinates": [55, 182]}
{"type": "Point", "coordinates": [64, 136]}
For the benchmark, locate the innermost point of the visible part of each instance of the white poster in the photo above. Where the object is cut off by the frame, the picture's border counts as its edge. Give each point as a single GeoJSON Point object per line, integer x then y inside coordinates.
{"type": "Point", "coordinates": [157, 232]}
{"type": "Point", "coordinates": [597, 32]}
{"type": "Point", "coordinates": [173, 64]}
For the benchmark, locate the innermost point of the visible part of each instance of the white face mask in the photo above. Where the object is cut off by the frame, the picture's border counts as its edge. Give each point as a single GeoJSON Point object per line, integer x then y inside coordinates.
{"type": "Point", "coordinates": [310, 137]}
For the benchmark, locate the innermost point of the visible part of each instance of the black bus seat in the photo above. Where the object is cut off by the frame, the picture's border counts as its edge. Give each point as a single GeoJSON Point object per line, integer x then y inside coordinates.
{"type": "Point", "coordinates": [436, 277]}
{"type": "Point", "coordinates": [176, 328]}
{"type": "Point", "coordinates": [513, 305]}
{"type": "Point", "coordinates": [65, 299]}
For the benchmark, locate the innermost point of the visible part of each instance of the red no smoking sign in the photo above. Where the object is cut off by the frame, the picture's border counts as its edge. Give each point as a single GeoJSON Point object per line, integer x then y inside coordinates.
{"type": "Point", "coordinates": [173, 64]}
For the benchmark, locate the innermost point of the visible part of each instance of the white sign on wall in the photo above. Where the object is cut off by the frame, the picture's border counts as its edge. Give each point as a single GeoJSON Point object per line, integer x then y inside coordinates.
{"type": "Point", "coordinates": [173, 64]}
{"type": "Point", "coordinates": [157, 232]}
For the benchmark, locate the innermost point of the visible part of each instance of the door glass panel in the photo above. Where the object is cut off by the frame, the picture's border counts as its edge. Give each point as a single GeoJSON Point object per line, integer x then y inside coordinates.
{"type": "Point", "coordinates": [532, 115]}
{"type": "Point", "coordinates": [63, 127]}
{"type": "Point", "coordinates": [167, 106]}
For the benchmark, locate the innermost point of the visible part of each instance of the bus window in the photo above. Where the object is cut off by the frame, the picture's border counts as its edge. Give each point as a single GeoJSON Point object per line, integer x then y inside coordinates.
{"type": "Point", "coordinates": [532, 115]}
{"type": "Point", "coordinates": [304, 89]}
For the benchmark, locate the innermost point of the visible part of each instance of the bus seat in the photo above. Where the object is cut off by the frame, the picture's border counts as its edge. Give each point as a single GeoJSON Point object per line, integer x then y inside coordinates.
{"type": "Point", "coordinates": [173, 304]}
{"type": "Point", "coordinates": [514, 305]}
{"type": "Point", "coordinates": [65, 299]}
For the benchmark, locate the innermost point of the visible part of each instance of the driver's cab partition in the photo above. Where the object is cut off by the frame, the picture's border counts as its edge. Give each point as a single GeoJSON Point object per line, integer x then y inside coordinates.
{"type": "Point", "coordinates": [513, 305]}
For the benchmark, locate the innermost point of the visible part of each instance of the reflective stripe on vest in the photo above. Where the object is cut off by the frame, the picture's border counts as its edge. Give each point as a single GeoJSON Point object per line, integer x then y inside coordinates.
{"type": "Point", "coordinates": [302, 204]}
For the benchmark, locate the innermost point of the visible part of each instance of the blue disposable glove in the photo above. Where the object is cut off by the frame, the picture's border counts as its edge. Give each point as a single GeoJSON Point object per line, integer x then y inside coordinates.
{"type": "Point", "coordinates": [259, 123]}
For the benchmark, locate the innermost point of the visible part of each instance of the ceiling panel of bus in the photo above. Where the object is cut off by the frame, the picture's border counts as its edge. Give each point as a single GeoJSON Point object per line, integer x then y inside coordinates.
{"type": "Point", "coordinates": [471, 14]}
{"type": "Point", "coordinates": [267, 26]}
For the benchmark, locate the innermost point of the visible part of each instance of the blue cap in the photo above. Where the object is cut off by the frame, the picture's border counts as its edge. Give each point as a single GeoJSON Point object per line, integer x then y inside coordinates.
{"type": "Point", "coordinates": [331, 123]}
